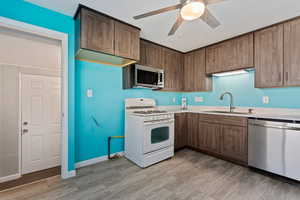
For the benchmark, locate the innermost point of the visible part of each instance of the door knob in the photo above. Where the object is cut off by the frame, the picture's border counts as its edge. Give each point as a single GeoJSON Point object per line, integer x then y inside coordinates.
{"type": "Point", "coordinates": [24, 131]}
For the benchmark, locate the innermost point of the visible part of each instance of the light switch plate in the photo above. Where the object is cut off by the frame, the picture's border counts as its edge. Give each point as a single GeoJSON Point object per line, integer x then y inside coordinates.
{"type": "Point", "coordinates": [89, 93]}
{"type": "Point", "coordinates": [265, 99]}
{"type": "Point", "coordinates": [174, 100]}
{"type": "Point", "coordinates": [199, 99]}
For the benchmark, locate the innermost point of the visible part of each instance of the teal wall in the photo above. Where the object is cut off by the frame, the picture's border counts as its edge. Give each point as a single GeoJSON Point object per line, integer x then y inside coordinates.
{"type": "Point", "coordinates": [242, 88]}
{"type": "Point", "coordinates": [107, 106]}
{"type": "Point", "coordinates": [29, 13]}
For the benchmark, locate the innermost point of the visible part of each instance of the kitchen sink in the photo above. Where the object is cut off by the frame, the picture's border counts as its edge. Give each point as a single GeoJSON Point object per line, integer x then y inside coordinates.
{"type": "Point", "coordinates": [227, 112]}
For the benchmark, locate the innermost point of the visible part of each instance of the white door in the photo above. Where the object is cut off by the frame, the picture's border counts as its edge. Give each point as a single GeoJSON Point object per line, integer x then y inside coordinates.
{"type": "Point", "coordinates": [41, 122]}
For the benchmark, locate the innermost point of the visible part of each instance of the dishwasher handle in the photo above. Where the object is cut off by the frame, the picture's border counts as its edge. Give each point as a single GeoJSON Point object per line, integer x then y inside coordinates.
{"type": "Point", "coordinates": [277, 126]}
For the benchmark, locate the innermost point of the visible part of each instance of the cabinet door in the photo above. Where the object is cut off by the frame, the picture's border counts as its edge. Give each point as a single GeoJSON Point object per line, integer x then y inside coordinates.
{"type": "Point", "coordinates": [209, 137]}
{"type": "Point", "coordinates": [154, 55]}
{"type": "Point", "coordinates": [269, 57]}
{"type": "Point", "coordinates": [192, 121]}
{"type": "Point", "coordinates": [97, 32]}
{"type": "Point", "coordinates": [181, 136]}
{"type": "Point", "coordinates": [201, 82]}
{"type": "Point", "coordinates": [143, 54]}
{"type": "Point", "coordinates": [291, 53]}
{"type": "Point", "coordinates": [234, 142]}
{"type": "Point", "coordinates": [189, 63]}
{"type": "Point", "coordinates": [173, 70]}
{"type": "Point", "coordinates": [127, 41]}
{"type": "Point", "coordinates": [216, 58]}
{"type": "Point", "coordinates": [241, 51]}
{"type": "Point", "coordinates": [195, 78]}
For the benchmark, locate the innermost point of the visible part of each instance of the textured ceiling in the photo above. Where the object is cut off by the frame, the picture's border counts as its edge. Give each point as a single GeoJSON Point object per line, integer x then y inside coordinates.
{"type": "Point", "coordinates": [236, 17]}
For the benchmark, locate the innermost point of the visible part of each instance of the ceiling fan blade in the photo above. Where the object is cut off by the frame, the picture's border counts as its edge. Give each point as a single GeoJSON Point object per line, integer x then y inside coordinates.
{"type": "Point", "coordinates": [174, 28]}
{"type": "Point", "coordinates": [156, 12]}
{"type": "Point", "coordinates": [208, 2]}
{"type": "Point", "coordinates": [211, 20]}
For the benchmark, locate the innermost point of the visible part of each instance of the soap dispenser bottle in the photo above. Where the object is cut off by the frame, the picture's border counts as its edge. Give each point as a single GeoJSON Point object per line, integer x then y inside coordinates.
{"type": "Point", "coordinates": [184, 103]}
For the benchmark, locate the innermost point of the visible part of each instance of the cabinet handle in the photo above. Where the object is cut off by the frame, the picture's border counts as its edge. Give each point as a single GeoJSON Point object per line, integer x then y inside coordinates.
{"type": "Point", "coordinates": [286, 76]}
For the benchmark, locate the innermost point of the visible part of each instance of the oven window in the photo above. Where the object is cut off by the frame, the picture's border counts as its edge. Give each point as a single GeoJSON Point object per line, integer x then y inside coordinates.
{"type": "Point", "coordinates": [147, 77]}
{"type": "Point", "coordinates": [160, 134]}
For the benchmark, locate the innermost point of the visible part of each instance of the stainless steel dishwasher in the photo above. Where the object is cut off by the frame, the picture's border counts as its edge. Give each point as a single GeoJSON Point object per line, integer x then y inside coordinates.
{"type": "Point", "coordinates": [274, 146]}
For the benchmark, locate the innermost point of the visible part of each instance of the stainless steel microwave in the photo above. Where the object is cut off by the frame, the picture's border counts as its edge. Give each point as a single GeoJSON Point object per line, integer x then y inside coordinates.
{"type": "Point", "coordinates": [139, 76]}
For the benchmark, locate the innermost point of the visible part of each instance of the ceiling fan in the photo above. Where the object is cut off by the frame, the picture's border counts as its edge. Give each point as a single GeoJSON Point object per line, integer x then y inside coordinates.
{"type": "Point", "coordinates": [189, 10]}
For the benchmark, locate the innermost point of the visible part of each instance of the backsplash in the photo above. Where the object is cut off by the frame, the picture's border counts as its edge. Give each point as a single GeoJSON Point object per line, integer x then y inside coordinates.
{"type": "Point", "coordinates": [107, 106]}
{"type": "Point", "coordinates": [245, 95]}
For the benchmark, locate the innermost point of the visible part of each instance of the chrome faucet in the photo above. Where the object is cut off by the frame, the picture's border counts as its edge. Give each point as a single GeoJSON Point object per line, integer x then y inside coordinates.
{"type": "Point", "coordinates": [231, 108]}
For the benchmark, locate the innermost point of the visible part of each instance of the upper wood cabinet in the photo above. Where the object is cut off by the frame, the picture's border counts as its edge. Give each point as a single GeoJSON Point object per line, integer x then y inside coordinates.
{"type": "Point", "coordinates": [173, 67]}
{"type": "Point", "coordinates": [233, 54]}
{"type": "Point", "coordinates": [103, 39]}
{"type": "Point", "coordinates": [269, 57]}
{"type": "Point", "coordinates": [127, 42]}
{"type": "Point", "coordinates": [291, 53]}
{"type": "Point", "coordinates": [97, 32]}
{"type": "Point", "coordinates": [151, 54]}
{"type": "Point", "coordinates": [195, 78]}
{"type": "Point", "coordinates": [216, 58]}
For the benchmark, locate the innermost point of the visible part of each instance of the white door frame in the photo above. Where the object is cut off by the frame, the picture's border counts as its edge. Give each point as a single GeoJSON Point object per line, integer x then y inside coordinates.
{"type": "Point", "coordinates": [36, 30]}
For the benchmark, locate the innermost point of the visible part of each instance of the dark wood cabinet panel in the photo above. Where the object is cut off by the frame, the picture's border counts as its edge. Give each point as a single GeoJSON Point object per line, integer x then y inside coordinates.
{"type": "Point", "coordinates": [195, 78]}
{"type": "Point", "coordinates": [143, 53]}
{"type": "Point", "coordinates": [152, 55]}
{"type": "Point", "coordinates": [97, 32]}
{"type": "Point", "coordinates": [234, 142]}
{"type": "Point", "coordinates": [181, 132]}
{"type": "Point", "coordinates": [269, 57]}
{"type": "Point", "coordinates": [291, 53]}
{"type": "Point", "coordinates": [127, 41]}
{"type": "Point", "coordinates": [233, 54]}
{"type": "Point", "coordinates": [189, 63]}
{"type": "Point", "coordinates": [192, 127]}
{"type": "Point", "coordinates": [216, 58]}
{"type": "Point", "coordinates": [241, 52]}
{"type": "Point", "coordinates": [209, 137]}
{"type": "Point", "coordinates": [173, 69]}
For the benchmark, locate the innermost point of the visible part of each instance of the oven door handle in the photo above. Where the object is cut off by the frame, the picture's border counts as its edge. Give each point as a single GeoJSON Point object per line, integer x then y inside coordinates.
{"type": "Point", "coordinates": [159, 122]}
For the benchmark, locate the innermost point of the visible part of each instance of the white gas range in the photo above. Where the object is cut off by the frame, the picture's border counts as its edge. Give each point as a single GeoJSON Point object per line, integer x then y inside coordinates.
{"type": "Point", "coordinates": [149, 132]}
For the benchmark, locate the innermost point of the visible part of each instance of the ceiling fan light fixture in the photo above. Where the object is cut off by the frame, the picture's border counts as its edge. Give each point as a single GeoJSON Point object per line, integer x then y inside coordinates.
{"type": "Point", "coordinates": [192, 10]}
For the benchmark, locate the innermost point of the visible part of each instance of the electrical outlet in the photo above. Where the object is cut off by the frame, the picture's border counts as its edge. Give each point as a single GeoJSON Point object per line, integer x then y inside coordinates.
{"type": "Point", "coordinates": [89, 93]}
{"type": "Point", "coordinates": [199, 99]}
{"type": "Point", "coordinates": [265, 99]}
{"type": "Point", "coordinates": [174, 100]}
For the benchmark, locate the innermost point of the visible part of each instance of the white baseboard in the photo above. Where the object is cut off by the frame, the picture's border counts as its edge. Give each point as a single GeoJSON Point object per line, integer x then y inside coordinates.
{"type": "Point", "coordinates": [9, 178]}
{"type": "Point", "coordinates": [95, 160]}
{"type": "Point", "coordinates": [69, 174]}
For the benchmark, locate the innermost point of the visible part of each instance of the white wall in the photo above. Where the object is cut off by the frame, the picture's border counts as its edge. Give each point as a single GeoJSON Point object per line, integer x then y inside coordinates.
{"type": "Point", "coordinates": [24, 49]}
{"type": "Point", "coordinates": [20, 53]}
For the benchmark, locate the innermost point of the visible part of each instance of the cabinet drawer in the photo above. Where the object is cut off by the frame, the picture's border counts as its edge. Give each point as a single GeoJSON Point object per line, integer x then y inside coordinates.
{"type": "Point", "coordinates": [223, 119]}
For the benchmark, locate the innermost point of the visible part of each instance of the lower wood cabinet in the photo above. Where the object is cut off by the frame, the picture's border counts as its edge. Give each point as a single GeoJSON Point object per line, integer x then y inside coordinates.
{"type": "Point", "coordinates": [234, 142]}
{"type": "Point", "coordinates": [192, 127]}
{"type": "Point", "coordinates": [209, 136]}
{"type": "Point", "coordinates": [181, 133]}
{"type": "Point", "coordinates": [222, 136]}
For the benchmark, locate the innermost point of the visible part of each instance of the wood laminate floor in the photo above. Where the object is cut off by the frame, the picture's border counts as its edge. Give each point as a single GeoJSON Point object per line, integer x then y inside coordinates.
{"type": "Point", "coordinates": [189, 175]}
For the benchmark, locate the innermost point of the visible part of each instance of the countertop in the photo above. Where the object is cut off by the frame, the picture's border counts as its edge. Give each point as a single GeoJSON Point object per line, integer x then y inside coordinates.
{"type": "Point", "coordinates": [266, 113]}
